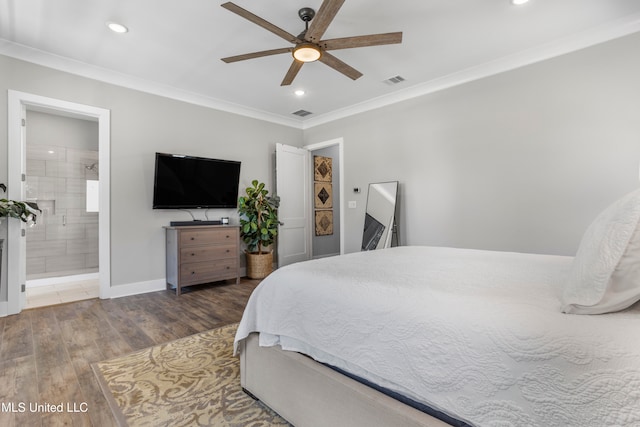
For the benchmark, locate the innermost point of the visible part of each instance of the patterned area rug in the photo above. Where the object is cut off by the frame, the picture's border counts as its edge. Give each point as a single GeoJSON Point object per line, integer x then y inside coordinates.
{"type": "Point", "coordinates": [193, 381]}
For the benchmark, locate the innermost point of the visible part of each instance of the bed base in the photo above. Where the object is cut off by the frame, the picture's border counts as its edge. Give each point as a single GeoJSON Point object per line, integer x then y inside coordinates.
{"type": "Point", "coordinates": [309, 394]}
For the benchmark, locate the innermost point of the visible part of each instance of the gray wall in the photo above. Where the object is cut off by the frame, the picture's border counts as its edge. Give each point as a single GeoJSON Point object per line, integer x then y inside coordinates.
{"type": "Point", "coordinates": [520, 161]}
{"type": "Point", "coordinates": [142, 124]}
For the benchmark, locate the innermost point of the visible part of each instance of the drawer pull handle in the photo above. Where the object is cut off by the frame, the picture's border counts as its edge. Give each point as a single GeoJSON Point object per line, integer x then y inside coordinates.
{"type": "Point", "coordinates": [228, 251]}
{"type": "Point", "coordinates": [193, 254]}
{"type": "Point", "coordinates": [193, 272]}
{"type": "Point", "coordinates": [228, 236]}
{"type": "Point", "coordinates": [193, 238]}
{"type": "Point", "coordinates": [228, 267]}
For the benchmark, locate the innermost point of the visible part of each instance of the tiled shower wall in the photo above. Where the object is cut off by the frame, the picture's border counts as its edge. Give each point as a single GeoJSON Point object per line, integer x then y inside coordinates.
{"type": "Point", "coordinates": [65, 238]}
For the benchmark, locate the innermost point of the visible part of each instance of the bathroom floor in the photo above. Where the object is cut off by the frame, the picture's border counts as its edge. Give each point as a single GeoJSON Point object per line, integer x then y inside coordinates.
{"type": "Point", "coordinates": [41, 296]}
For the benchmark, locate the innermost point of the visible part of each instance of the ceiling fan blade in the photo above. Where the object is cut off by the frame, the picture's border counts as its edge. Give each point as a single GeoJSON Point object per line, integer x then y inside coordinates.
{"type": "Point", "coordinates": [292, 73]}
{"type": "Point", "coordinates": [323, 18]}
{"type": "Point", "coordinates": [260, 54]}
{"type": "Point", "coordinates": [362, 41]}
{"type": "Point", "coordinates": [340, 66]}
{"type": "Point", "coordinates": [261, 22]}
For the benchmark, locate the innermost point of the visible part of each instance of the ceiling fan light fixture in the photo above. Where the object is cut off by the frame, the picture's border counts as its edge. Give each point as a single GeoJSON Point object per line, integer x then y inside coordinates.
{"type": "Point", "coordinates": [307, 52]}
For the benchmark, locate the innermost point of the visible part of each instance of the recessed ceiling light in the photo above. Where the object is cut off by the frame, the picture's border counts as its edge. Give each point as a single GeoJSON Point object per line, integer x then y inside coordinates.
{"type": "Point", "coordinates": [117, 28]}
{"type": "Point", "coordinates": [519, 2]}
{"type": "Point", "coordinates": [299, 92]}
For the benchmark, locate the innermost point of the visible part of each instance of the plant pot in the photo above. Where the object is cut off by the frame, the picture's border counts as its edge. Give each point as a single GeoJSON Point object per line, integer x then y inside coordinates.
{"type": "Point", "coordinates": [259, 265]}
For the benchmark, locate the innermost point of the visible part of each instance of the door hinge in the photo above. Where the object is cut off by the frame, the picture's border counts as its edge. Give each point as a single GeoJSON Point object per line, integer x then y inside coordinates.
{"type": "Point", "coordinates": [23, 288]}
{"type": "Point", "coordinates": [23, 232]}
{"type": "Point", "coordinates": [24, 122]}
{"type": "Point", "coordinates": [23, 177]}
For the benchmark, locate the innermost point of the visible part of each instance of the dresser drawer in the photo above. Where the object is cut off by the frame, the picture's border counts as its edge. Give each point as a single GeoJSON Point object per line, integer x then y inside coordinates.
{"type": "Point", "coordinates": [208, 237]}
{"type": "Point", "coordinates": [201, 272]}
{"type": "Point", "coordinates": [207, 253]}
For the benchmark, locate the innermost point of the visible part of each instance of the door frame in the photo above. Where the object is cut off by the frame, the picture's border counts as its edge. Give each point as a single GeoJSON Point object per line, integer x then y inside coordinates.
{"type": "Point", "coordinates": [320, 145]}
{"type": "Point", "coordinates": [18, 104]}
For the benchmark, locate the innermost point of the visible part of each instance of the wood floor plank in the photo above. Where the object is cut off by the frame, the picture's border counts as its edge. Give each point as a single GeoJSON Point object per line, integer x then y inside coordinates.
{"type": "Point", "coordinates": [46, 353]}
{"type": "Point", "coordinates": [98, 408]}
{"type": "Point", "coordinates": [26, 389]}
{"type": "Point", "coordinates": [17, 337]}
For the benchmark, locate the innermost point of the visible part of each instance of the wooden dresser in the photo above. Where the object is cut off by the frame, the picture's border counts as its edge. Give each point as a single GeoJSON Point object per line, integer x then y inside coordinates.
{"type": "Point", "coordinates": [202, 254]}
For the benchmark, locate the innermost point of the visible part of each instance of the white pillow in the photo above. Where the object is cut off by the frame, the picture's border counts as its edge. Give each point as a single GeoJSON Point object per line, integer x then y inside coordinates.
{"type": "Point", "coordinates": [605, 274]}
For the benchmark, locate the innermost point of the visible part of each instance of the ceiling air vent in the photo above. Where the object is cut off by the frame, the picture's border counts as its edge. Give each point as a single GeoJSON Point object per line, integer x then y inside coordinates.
{"type": "Point", "coordinates": [394, 80]}
{"type": "Point", "coordinates": [302, 113]}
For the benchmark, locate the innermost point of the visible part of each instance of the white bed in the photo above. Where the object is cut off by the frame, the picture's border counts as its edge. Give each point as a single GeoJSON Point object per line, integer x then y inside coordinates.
{"type": "Point", "coordinates": [477, 335]}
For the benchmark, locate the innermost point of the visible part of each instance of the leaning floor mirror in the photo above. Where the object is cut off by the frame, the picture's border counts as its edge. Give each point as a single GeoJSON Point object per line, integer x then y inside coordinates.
{"type": "Point", "coordinates": [380, 226]}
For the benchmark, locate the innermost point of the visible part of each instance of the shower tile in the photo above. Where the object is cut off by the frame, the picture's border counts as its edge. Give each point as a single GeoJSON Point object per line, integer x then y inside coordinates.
{"type": "Point", "coordinates": [65, 232]}
{"type": "Point", "coordinates": [31, 187]}
{"type": "Point", "coordinates": [64, 169]}
{"type": "Point", "coordinates": [92, 231]}
{"type": "Point", "coordinates": [91, 260]}
{"type": "Point", "coordinates": [56, 219]}
{"type": "Point", "coordinates": [38, 231]}
{"type": "Point", "coordinates": [45, 152]}
{"type": "Point", "coordinates": [64, 263]}
{"type": "Point", "coordinates": [36, 168]}
{"type": "Point", "coordinates": [48, 209]}
{"type": "Point", "coordinates": [70, 201]}
{"type": "Point", "coordinates": [46, 248]}
{"type": "Point", "coordinates": [87, 157]}
{"type": "Point", "coordinates": [47, 188]}
{"type": "Point", "coordinates": [35, 265]}
{"type": "Point", "coordinates": [76, 185]}
{"type": "Point", "coordinates": [81, 216]}
{"type": "Point", "coordinates": [82, 246]}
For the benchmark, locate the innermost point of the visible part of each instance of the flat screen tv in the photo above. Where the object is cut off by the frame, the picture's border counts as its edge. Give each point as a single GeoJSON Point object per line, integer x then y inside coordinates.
{"type": "Point", "coordinates": [188, 182]}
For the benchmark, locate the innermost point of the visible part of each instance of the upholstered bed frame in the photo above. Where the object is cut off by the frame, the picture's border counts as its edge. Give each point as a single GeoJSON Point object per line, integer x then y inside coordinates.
{"type": "Point", "coordinates": [307, 393]}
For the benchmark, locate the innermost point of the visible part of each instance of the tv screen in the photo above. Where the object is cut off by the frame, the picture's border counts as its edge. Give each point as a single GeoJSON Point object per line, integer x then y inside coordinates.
{"type": "Point", "coordinates": [187, 182]}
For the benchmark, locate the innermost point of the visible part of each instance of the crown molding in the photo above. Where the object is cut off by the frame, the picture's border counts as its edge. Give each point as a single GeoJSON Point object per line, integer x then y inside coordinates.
{"type": "Point", "coordinates": [46, 59]}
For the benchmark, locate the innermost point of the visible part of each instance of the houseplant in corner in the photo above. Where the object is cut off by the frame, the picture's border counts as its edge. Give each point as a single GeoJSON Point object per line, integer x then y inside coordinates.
{"type": "Point", "coordinates": [258, 228]}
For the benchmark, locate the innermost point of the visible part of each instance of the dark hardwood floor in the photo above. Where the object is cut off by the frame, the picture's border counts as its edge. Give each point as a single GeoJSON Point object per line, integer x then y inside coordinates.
{"type": "Point", "coordinates": [46, 353]}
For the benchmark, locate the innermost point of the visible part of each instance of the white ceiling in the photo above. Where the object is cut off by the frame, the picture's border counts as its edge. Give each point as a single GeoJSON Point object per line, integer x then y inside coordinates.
{"type": "Point", "coordinates": [173, 48]}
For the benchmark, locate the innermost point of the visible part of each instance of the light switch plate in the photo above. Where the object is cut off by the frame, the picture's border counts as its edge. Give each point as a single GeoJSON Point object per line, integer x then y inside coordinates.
{"type": "Point", "coordinates": [353, 204]}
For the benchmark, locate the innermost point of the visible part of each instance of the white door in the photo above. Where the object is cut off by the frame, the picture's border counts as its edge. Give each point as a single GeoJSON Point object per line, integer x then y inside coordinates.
{"type": "Point", "coordinates": [293, 187]}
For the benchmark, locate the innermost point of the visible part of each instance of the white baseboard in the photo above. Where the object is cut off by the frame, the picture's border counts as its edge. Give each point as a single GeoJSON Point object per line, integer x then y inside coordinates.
{"type": "Point", "coordinates": [4, 309]}
{"type": "Point", "coordinates": [141, 287]}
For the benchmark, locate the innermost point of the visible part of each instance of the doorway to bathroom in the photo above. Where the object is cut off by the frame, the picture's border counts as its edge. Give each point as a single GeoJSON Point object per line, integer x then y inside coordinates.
{"type": "Point", "coordinates": [62, 209]}
{"type": "Point", "coordinates": [62, 177]}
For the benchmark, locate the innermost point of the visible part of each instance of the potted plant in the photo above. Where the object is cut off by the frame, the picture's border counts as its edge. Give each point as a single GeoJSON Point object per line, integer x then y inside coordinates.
{"type": "Point", "coordinates": [258, 228]}
{"type": "Point", "coordinates": [24, 211]}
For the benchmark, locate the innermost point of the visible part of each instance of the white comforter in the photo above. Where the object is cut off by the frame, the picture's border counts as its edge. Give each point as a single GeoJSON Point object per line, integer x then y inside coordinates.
{"type": "Point", "coordinates": [476, 334]}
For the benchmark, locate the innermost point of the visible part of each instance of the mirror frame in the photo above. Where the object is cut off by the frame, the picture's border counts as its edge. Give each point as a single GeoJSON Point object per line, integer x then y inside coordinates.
{"type": "Point", "coordinates": [380, 223]}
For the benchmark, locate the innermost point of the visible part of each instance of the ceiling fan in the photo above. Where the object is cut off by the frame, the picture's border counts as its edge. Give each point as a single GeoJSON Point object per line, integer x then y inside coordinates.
{"type": "Point", "coordinates": [308, 46]}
